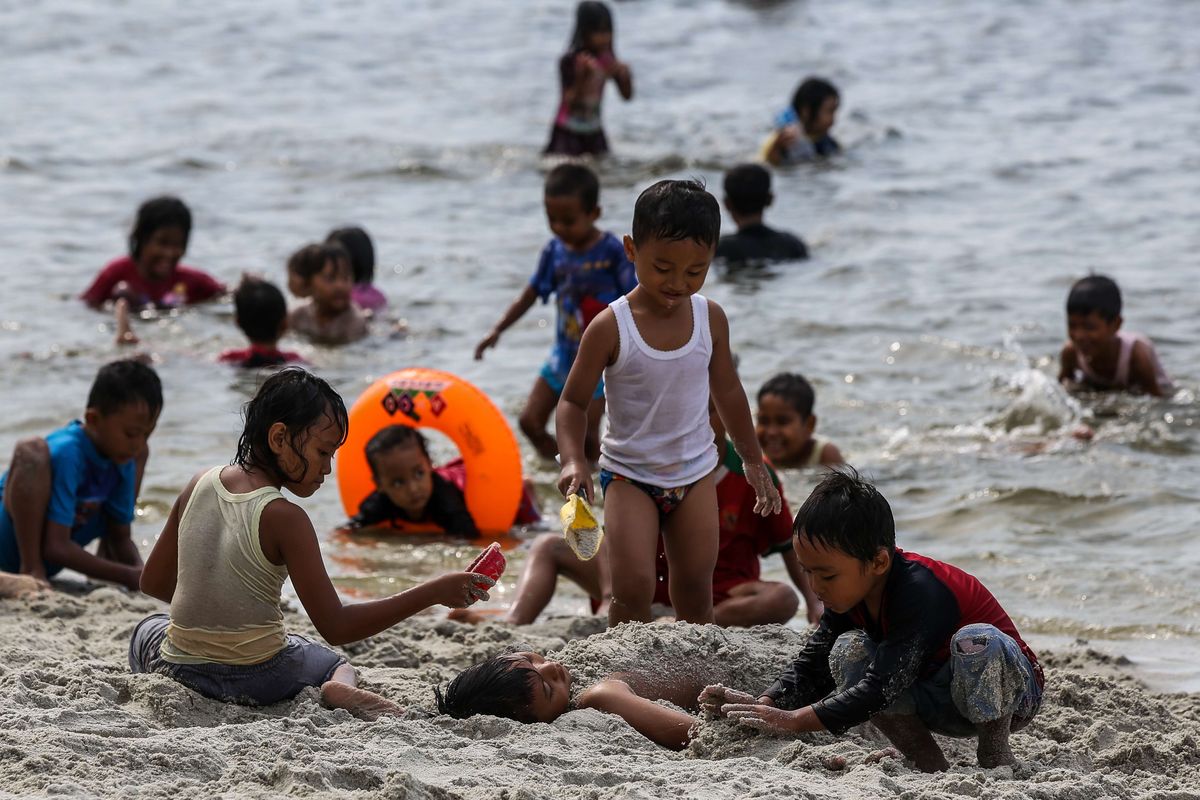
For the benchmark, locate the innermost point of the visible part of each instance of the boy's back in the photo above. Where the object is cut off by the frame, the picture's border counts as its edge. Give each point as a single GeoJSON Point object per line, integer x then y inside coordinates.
{"type": "Point", "coordinates": [85, 483]}
{"type": "Point", "coordinates": [761, 243]}
{"type": "Point", "coordinates": [924, 603]}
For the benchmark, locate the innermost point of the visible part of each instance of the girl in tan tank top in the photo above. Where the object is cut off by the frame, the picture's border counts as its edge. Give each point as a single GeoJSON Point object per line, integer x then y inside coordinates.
{"type": "Point", "coordinates": [231, 540]}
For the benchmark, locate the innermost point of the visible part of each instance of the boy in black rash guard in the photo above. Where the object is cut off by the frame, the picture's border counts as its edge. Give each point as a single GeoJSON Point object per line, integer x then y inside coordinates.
{"type": "Point", "coordinates": [747, 195]}
{"type": "Point", "coordinates": [911, 644]}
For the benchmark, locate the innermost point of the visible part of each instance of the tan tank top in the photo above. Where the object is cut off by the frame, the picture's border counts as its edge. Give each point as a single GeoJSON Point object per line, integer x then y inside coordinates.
{"type": "Point", "coordinates": [226, 603]}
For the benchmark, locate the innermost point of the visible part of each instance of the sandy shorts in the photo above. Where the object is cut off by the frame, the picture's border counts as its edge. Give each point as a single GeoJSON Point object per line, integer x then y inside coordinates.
{"type": "Point", "coordinates": [301, 663]}
{"type": "Point", "coordinates": [986, 678]}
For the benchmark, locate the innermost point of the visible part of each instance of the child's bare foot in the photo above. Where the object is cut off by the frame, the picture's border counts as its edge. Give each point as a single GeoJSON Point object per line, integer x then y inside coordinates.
{"type": "Point", "coordinates": [880, 755]}
{"type": "Point", "coordinates": [993, 749]}
{"type": "Point", "coordinates": [13, 585]}
{"type": "Point", "coordinates": [474, 616]}
{"type": "Point", "coordinates": [359, 702]}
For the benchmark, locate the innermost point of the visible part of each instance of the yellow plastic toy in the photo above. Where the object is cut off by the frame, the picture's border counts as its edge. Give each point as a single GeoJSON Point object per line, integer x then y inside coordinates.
{"type": "Point", "coordinates": [580, 528]}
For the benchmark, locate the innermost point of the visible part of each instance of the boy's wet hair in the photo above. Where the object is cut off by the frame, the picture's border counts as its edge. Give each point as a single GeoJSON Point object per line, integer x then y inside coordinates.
{"type": "Point", "coordinates": [794, 389]}
{"type": "Point", "coordinates": [747, 188]}
{"type": "Point", "coordinates": [362, 252]}
{"type": "Point", "coordinates": [127, 382]}
{"type": "Point", "coordinates": [390, 438]}
{"type": "Point", "coordinates": [1098, 293]}
{"type": "Point", "coordinates": [591, 16]}
{"type": "Point", "coordinates": [259, 309]}
{"type": "Point", "coordinates": [497, 687]}
{"type": "Point", "coordinates": [574, 180]}
{"type": "Point", "coordinates": [155, 213]}
{"type": "Point", "coordinates": [810, 94]}
{"type": "Point", "coordinates": [311, 259]}
{"type": "Point", "coordinates": [677, 210]}
{"type": "Point", "coordinates": [298, 399]}
{"type": "Point", "coordinates": [847, 513]}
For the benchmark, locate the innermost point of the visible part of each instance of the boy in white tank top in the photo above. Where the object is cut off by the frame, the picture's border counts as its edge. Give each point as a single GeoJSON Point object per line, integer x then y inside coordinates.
{"type": "Point", "coordinates": [661, 349]}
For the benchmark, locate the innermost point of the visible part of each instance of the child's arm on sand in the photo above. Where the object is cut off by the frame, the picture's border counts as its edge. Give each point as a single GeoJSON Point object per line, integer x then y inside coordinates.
{"type": "Point", "coordinates": [162, 567]}
{"type": "Point", "coordinates": [730, 400]}
{"type": "Point", "coordinates": [597, 350]}
{"type": "Point", "coordinates": [523, 303]}
{"type": "Point", "coordinates": [119, 539]}
{"type": "Point", "coordinates": [60, 549]}
{"type": "Point", "coordinates": [660, 724]}
{"type": "Point", "coordinates": [288, 538]}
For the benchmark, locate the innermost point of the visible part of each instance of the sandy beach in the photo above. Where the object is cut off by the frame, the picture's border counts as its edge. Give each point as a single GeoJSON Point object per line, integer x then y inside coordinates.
{"type": "Point", "coordinates": [75, 722]}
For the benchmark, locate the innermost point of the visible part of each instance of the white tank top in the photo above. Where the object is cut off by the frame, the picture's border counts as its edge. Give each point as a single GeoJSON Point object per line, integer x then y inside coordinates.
{"type": "Point", "coordinates": [658, 429]}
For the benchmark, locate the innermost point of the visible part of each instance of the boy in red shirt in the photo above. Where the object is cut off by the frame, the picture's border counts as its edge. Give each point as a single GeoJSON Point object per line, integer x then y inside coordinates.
{"type": "Point", "coordinates": [911, 644]}
{"type": "Point", "coordinates": [151, 274]}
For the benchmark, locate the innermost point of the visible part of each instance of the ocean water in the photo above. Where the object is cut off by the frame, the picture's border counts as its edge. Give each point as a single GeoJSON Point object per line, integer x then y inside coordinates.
{"type": "Point", "coordinates": [994, 154]}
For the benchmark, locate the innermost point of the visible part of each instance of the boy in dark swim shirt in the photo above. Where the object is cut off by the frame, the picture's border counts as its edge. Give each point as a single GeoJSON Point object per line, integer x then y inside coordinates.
{"type": "Point", "coordinates": [911, 644]}
{"type": "Point", "coordinates": [747, 195]}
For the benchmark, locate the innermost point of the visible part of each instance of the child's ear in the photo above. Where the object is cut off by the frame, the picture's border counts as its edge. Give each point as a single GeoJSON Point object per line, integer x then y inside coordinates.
{"type": "Point", "coordinates": [630, 249]}
{"type": "Point", "coordinates": [811, 424]}
{"type": "Point", "coordinates": [594, 214]}
{"type": "Point", "coordinates": [91, 417]}
{"type": "Point", "coordinates": [277, 437]}
{"type": "Point", "coordinates": [881, 562]}
{"type": "Point", "coordinates": [1116, 323]}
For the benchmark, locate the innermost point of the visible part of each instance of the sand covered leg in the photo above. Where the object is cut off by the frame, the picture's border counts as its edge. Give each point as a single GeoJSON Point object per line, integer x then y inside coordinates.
{"type": "Point", "coordinates": [993, 750]}
{"type": "Point", "coordinates": [341, 691]}
{"type": "Point", "coordinates": [913, 739]}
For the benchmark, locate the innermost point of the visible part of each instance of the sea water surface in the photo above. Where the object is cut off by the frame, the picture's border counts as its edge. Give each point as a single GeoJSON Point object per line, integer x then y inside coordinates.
{"type": "Point", "coordinates": [995, 152]}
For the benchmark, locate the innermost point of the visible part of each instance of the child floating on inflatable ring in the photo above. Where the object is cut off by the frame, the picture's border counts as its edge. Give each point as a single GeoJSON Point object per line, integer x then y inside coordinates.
{"type": "Point", "coordinates": [409, 489]}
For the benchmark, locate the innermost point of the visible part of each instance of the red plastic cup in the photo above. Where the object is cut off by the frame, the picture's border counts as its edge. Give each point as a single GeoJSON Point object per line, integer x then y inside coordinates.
{"type": "Point", "coordinates": [490, 562]}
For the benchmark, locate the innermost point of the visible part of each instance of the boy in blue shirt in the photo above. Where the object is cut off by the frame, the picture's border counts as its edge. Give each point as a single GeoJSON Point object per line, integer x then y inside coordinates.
{"type": "Point", "coordinates": [586, 269]}
{"type": "Point", "coordinates": [81, 482]}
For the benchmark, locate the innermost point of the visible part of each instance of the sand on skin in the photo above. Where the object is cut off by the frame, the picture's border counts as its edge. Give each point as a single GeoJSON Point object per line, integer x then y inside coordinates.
{"type": "Point", "coordinates": [74, 721]}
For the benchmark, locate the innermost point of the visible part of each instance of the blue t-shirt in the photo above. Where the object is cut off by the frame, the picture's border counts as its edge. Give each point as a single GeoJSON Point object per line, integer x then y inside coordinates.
{"type": "Point", "coordinates": [583, 284]}
{"type": "Point", "coordinates": [86, 490]}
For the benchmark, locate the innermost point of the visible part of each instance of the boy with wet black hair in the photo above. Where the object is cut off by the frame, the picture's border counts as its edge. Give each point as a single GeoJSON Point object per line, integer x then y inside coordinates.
{"type": "Point", "coordinates": [747, 195]}
{"type": "Point", "coordinates": [261, 313]}
{"type": "Point", "coordinates": [911, 644]}
{"type": "Point", "coordinates": [80, 483]}
{"type": "Point", "coordinates": [323, 274]}
{"type": "Point", "coordinates": [1099, 354]}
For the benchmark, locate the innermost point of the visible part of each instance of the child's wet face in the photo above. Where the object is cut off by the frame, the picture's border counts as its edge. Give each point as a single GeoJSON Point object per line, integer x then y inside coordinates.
{"type": "Point", "coordinates": [839, 579]}
{"type": "Point", "coordinates": [782, 433]}
{"type": "Point", "coordinates": [405, 475]}
{"type": "Point", "coordinates": [670, 271]}
{"type": "Point", "coordinates": [1091, 333]}
{"type": "Point", "coordinates": [551, 684]}
{"type": "Point", "coordinates": [819, 123]}
{"type": "Point", "coordinates": [599, 42]}
{"type": "Point", "coordinates": [159, 255]}
{"type": "Point", "coordinates": [307, 466]}
{"type": "Point", "coordinates": [331, 287]}
{"type": "Point", "coordinates": [568, 220]}
{"type": "Point", "coordinates": [121, 435]}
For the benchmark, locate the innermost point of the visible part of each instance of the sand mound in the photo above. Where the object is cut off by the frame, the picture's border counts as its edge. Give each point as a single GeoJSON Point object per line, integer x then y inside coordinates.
{"type": "Point", "coordinates": [74, 721]}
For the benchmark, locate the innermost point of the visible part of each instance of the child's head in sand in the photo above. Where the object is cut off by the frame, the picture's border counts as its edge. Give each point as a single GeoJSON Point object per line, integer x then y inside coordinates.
{"type": "Point", "coordinates": [294, 425]}
{"type": "Point", "coordinates": [524, 686]}
{"type": "Point", "coordinates": [785, 419]}
{"type": "Point", "coordinates": [572, 197]}
{"type": "Point", "coordinates": [400, 465]}
{"type": "Point", "coordinates": [845, 538]}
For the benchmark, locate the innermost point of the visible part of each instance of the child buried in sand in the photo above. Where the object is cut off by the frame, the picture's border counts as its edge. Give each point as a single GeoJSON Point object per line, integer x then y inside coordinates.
{"type": "Point", "coordinates": [230, 542]}
{"type": "Point", "coordinates": [911, 644]}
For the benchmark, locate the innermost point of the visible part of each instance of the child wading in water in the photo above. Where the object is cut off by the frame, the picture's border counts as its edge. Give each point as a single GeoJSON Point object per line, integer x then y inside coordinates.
{"type": "Point", "coordinates": [584, 70]}
{"type": "Point", "coordinates": [230, 542]}
{"type": "Point", "coordinates": [585, 268]}
{"type": "Point", "coordinates": [911, 644]}
{"type": "Point", "coordinates": [661, 349]}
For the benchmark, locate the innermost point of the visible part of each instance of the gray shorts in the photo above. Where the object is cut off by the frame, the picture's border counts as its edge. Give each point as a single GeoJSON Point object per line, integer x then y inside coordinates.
{"type": "Point", "coordinates": [302, 662]}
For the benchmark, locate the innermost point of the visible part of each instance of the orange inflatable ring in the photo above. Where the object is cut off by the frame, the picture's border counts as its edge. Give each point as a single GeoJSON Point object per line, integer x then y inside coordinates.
{"type": "Point", "coordinates": [430, 398]}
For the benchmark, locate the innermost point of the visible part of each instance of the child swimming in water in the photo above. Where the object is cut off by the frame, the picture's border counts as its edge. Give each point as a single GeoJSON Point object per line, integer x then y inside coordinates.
{"type": "Point", "coordinates": [911, 644]}
{"type": "Point", "coordinates": [230, 542]}
{"type": "Point", "coordinates": [802, 130]}
{"type": "Point", "coordinates": [151, 274]}
{"type": "Point", "coordinates": [322, 273]}
{"type": "Point", "coordinates": [786, 425]}
{"type": "Point", "coordinates": [584, 70]}
{"type": "Point", "coordinates": [663, 350]}
{"type": "Point", "coordinates": [1098, 353]}
{"type": "Point", "coordinates": [747, 195]}
{"type": "Point", "coordinates": [358, 244]}
{"type": "Point", "coordinates": [585, 268]}
{"type": "Point", "coordinates": [261, 313]}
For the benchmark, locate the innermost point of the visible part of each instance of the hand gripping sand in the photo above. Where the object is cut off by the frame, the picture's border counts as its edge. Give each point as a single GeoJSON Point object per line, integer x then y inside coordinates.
{"type": "Point", "coordinates": [580, 528]}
